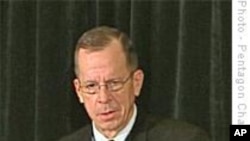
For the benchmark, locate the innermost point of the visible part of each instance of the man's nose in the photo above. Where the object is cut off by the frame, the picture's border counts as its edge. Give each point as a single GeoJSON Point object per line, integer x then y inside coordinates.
{"type": "Point", "coordinates": [104, 95]}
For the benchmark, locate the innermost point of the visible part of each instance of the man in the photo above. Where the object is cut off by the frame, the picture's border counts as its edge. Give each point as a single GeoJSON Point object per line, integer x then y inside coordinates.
{"type": "Point", "coordinates": [107, 84]}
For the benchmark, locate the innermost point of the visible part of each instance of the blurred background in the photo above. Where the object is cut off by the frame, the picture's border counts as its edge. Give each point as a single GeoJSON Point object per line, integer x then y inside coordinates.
{"type": "Point", "coordinates": [184, 49]}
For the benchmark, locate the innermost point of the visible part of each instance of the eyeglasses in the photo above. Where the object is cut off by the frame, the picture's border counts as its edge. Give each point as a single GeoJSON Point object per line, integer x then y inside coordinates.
{"type": "Point", "coordinates": [94, 87]}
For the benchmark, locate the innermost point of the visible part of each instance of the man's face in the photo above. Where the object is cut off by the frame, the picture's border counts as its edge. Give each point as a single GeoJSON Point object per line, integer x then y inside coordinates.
{"type": "Point", "coordinates": [110, 111]}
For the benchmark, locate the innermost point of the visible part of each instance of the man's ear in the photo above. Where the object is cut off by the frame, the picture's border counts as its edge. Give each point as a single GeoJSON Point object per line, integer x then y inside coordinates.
{"type": "Point", "coordinates": [138, 81]}
{"type": "Point", "coordinates": [78, 90]}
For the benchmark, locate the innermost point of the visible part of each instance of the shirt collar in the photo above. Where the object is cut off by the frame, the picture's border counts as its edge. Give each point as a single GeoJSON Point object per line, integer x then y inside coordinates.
{"type": "Point", "coordinates": [121, 136]}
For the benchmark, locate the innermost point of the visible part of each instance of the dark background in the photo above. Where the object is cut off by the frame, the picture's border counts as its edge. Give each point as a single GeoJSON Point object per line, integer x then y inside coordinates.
{"type": "Point", "coordinates": [184, 49]}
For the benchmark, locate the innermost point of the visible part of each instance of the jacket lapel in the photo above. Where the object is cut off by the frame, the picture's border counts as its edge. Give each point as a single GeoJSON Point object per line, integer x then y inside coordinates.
{"type": "Point", "coordinates": [86, 133]}
{"type": "Point", "coordinates": [139, 130]}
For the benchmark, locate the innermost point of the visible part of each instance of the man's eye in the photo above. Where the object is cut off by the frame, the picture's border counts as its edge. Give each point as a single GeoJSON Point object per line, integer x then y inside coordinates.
{"type": "Point", "coordinates": [90, 86]}
{"type": "Point", "coordinates": [113, 83]}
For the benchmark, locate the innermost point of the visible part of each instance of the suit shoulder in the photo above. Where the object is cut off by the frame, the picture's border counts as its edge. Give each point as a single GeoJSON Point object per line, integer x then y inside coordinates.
{"type": "Point", "coordinates": [78, 135]}
{"type": "Point", "coordinates": [170, 129]}
{"type": "Point", "coordinates": [161, 122]}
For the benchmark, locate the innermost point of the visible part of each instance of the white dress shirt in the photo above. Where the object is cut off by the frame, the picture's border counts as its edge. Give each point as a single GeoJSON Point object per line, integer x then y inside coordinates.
{"type": "Point", "coordinates": [121, 136]}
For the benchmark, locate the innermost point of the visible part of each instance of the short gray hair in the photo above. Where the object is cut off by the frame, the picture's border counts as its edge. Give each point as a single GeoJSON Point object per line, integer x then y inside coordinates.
{"type": "Point", "coordinates": [97, 38]}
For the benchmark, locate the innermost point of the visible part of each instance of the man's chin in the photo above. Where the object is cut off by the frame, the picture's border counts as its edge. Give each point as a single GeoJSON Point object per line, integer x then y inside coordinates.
{"type": "Point", "coordinates": [111, 126]}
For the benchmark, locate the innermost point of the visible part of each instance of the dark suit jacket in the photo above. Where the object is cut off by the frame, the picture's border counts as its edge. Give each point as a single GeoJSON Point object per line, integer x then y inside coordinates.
{"type": "Point", "coordinates": [148, 128]}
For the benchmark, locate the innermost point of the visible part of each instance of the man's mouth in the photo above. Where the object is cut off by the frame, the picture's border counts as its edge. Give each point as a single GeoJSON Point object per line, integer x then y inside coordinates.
{"type": "Point", "coordinates": [106, 116]}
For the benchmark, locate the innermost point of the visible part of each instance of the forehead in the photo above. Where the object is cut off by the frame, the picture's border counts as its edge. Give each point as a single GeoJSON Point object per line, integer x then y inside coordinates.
{"type": "Point", "coordinates": [111, 57]}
